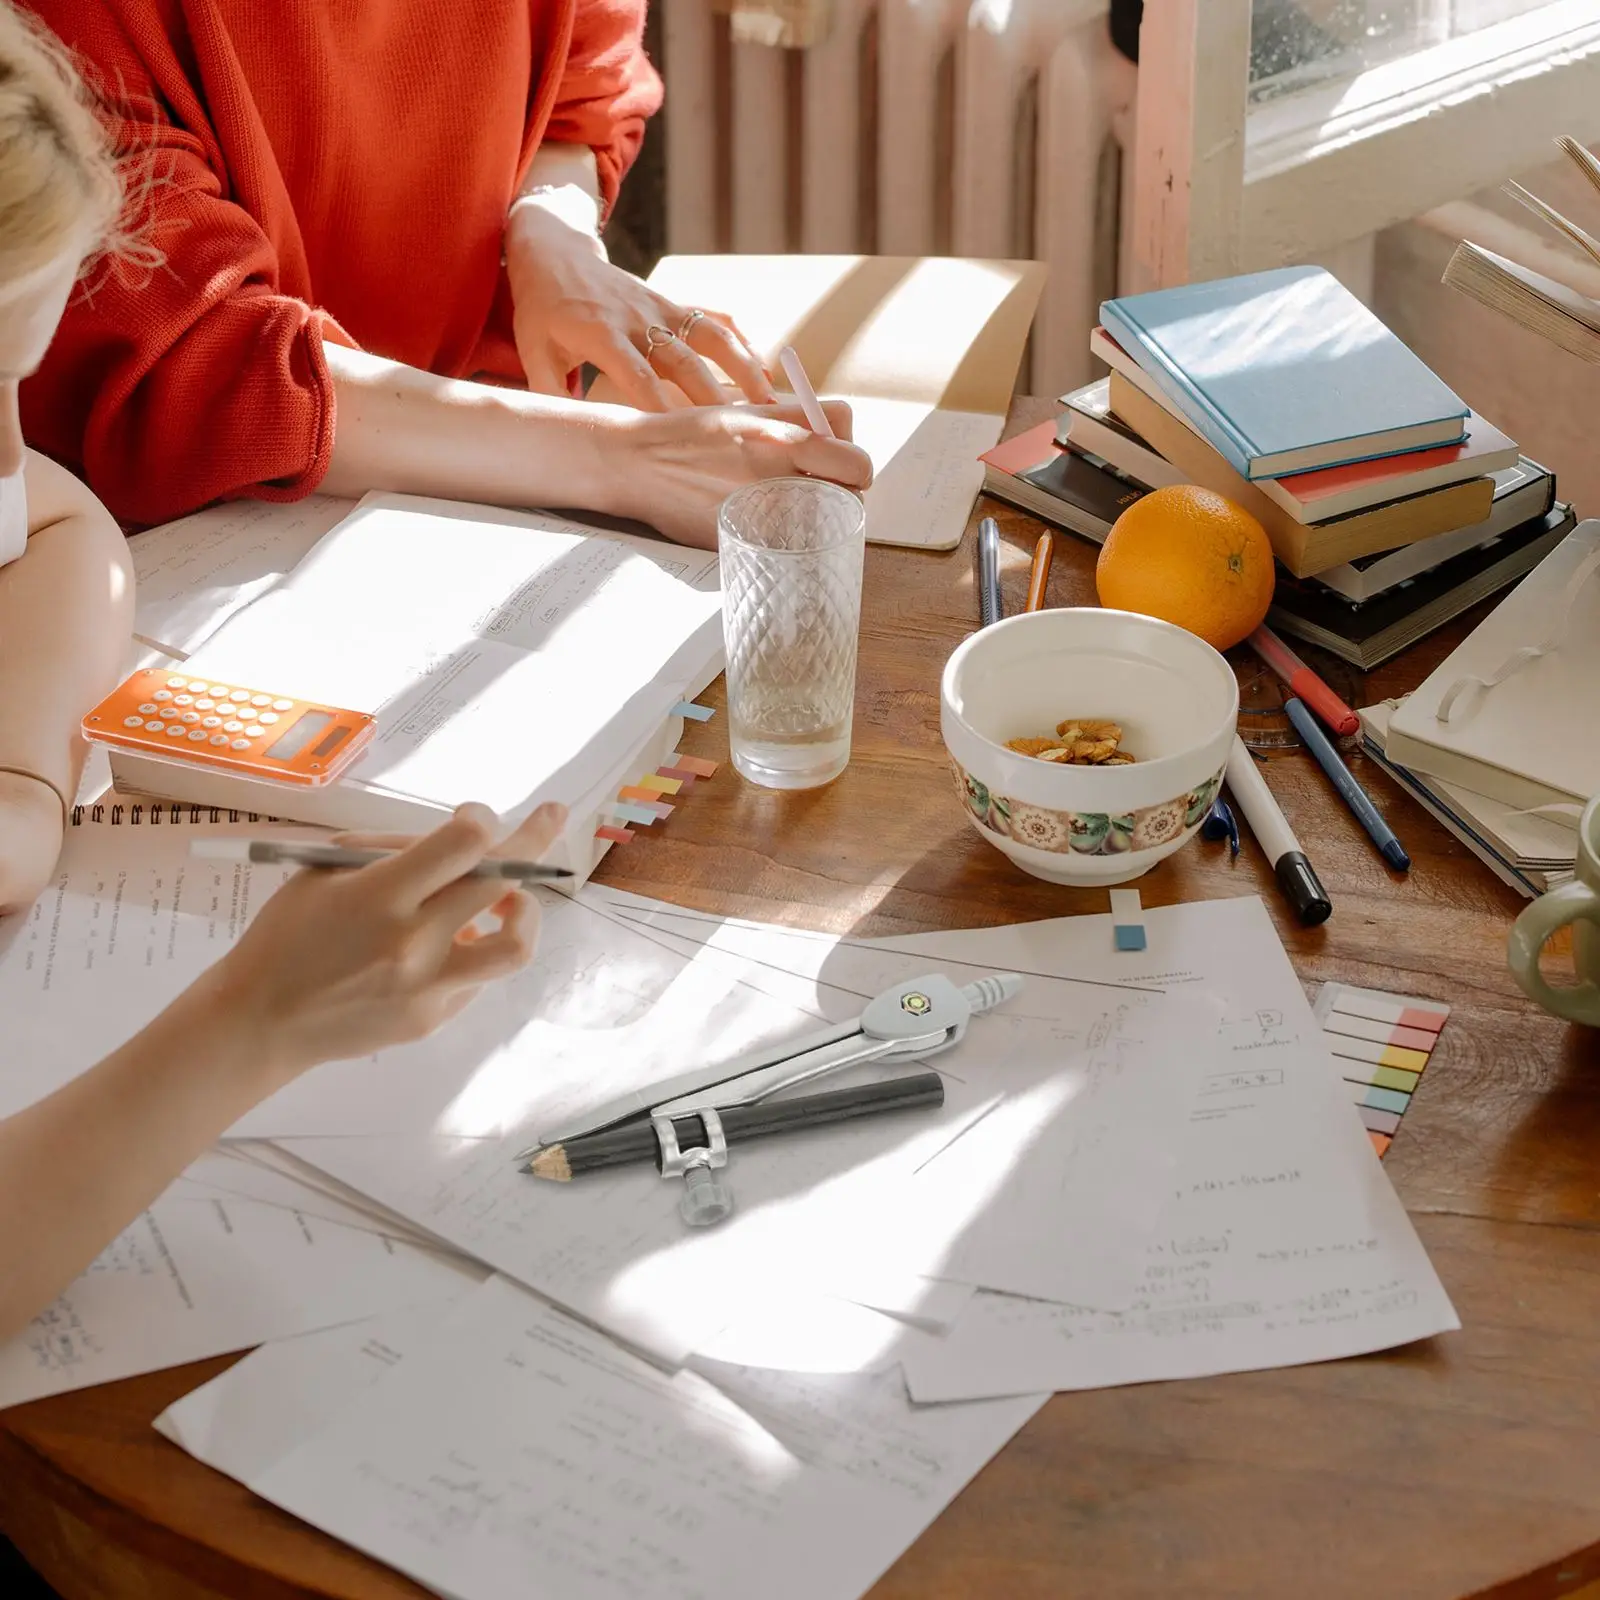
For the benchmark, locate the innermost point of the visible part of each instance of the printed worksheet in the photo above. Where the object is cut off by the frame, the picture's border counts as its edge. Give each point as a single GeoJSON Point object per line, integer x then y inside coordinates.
{"type": "Point", "coordinates": [512, 1445]}
{"type": "Point", "coordinates": [1044, 1169]}
{"type": "Point", "coordinates": [1280, 1241]}
{"type": "Point", "coordinates": [193, 1278]}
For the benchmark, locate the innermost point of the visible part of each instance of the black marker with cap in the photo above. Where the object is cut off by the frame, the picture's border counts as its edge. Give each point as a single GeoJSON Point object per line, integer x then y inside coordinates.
{"type": "Point", "coordinates": [1294, 872]}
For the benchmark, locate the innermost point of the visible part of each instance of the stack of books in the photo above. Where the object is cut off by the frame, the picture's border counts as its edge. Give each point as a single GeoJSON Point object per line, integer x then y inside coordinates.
{"type": "Point", "coordinates": [1501, 743]}
{"type": "Point", "coordinates": [1391, 506]}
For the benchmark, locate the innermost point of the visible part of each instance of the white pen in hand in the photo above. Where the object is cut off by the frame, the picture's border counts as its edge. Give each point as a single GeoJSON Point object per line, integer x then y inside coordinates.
{"type": "Point", "coordinates": [816, 417]}
{"type": "Point", "coordinates": [309, 853]}
{"type": "Point", "coordinates": [1296, 877]}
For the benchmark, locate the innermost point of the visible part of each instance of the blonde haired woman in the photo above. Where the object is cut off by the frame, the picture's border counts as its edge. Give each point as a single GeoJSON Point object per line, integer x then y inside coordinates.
{"type": "Point", "coordinates": [66, 586]}
{"type": "Point", "coordinates": [337, 964]}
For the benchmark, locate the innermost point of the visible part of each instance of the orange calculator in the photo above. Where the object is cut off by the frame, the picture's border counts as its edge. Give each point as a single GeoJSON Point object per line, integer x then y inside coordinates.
{"type": "Point", "coordinates": [229, 727]}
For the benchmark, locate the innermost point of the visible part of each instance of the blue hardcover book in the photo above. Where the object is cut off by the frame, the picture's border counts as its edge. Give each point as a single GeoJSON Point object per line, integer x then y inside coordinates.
{"type": "Point", "coordinates": [1285, 371]}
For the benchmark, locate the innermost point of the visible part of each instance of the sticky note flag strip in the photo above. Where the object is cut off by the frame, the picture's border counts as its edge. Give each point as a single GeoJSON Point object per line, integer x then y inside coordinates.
{"type": "Point", "coordinates": [1127, 920]}
{"type": "Point", "coordinates": [1381, 1044]}
{"type": "Point", "coordinates": [687, 708]}
{"type": "Point", "coordinates": [696, 766]}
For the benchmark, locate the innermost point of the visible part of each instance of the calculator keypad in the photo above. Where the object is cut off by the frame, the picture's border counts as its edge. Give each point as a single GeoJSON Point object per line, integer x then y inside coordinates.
{"type": "Point", "coordinates": [167, 719]}
{"type": "Point", "coordinates": [219, 722]}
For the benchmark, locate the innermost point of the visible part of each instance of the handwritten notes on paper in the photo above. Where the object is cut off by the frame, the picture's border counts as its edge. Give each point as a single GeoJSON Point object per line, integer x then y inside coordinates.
{"type": "Point", "coordinates": [1044, 1169]}
{"type": "Point", "coordinates": [1279, 1241]}
{"type": "Point", "coordinates": [193, 1278]}
{"type": "Point", "coordinates": [516, 1447]}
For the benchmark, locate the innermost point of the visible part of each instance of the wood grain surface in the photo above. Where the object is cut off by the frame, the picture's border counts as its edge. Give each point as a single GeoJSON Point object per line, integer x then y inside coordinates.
{"type": "Point", "coordinates": [1468, 1465]}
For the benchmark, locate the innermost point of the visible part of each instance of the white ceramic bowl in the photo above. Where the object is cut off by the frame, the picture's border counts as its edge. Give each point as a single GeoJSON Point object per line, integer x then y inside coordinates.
{"type": "Point", "coordinates": [1175, 697]}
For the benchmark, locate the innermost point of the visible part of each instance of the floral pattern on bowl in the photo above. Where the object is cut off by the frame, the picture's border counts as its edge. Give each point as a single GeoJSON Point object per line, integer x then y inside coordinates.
{"type": "Point", "coordinates": [1089, 833]}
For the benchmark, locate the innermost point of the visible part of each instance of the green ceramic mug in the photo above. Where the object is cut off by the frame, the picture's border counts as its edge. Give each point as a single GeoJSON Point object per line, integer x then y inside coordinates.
{"type": "Point", "coordinates": [1577, 903]}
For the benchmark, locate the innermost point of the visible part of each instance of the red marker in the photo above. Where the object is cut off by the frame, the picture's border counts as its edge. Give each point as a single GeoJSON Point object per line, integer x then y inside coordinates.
{"type": "Point", "coordinates": [1302, 681]}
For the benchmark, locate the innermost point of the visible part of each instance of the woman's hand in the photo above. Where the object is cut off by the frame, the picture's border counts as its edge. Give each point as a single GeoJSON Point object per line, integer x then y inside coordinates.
{"type": "Point", "coordinates": [571, 307]}
{"type": "Point", "coordinates": [341, 963]}
{"type": "Point", "coordinates": [674, 470]}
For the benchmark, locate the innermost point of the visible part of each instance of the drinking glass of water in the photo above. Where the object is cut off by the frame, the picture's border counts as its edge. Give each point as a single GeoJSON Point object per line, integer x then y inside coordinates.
{"type": "Point", "coordinates": [791, 553]}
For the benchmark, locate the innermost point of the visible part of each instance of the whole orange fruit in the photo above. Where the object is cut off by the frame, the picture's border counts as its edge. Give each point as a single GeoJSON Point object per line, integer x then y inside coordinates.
{"type": "Point", "coordinates": [1189, 556]}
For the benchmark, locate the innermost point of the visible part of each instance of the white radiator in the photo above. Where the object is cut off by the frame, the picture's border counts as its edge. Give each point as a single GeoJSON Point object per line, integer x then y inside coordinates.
{"type": "Point", "coordinates": [915, 127]}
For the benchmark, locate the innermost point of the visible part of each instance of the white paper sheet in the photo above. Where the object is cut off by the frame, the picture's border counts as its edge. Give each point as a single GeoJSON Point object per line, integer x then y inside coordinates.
{"type": "Point", "coordinates": [517, 1448]}
{"type": "Point", "coordinates": [195, 1278]}
{"type": "Point", "coordinates": [285, 1392]}
{"type": "Point", "coordinates": [228, 1173]}
{"type": "Point", "coordinates": [131, 920]}
{"type": "Point", "coordinates": [1283, 1242]}
{"type": "Point", "coordinates": [1062, 1074]}
{"type": "Point", "coordinates": [194, 574]}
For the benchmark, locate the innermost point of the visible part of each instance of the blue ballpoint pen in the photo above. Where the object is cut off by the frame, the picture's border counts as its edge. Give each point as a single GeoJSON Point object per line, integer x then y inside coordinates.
{"type": "Point", "coordinates": [988, 572]}
{"type": "Point", "coordinates": [1344, 781]}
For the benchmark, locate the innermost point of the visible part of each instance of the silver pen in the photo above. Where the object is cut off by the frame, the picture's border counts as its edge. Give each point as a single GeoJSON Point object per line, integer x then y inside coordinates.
{"type": "Point", "coordinates": [308, 853]}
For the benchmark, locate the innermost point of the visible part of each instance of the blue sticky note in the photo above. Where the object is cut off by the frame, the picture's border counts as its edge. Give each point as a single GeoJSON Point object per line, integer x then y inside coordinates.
{"type": "Point", "coordinates": [1130, 938]}
{"type": "Point", "coordinates": [687, 708]}
{"type": "Point", "coordinates": [631, 813]}
{"type": "Point", "coordinates": [1386, 1100]}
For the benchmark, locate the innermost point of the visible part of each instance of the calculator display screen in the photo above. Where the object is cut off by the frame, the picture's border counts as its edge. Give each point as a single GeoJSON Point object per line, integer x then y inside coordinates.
{"type": "Point", "coordinates": [298, 735]}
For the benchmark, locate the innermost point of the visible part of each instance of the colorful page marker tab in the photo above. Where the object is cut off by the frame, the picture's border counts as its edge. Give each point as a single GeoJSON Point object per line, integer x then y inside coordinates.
{"type": "Point", "coordinates": [1127, 920]}
{"type": "Point", "coordinates": [687, 708]}
{"type": "Point", "coordinates": [661, 785]}
{"type": "Point", "coordinates": [697, 765]}
{"type": "Point", "coordinates": [682, 774]}
{"type": "Point", "coordinates": [639, 795]}
{"type": "Point", "coordinates": [622, 812]}
{"type": "Point", "coordinates": [615, 835]}
{"type": "Point", "coordinates": [1381, 1044]}
{"type": "Point", "coordinates": [1377, 1055]}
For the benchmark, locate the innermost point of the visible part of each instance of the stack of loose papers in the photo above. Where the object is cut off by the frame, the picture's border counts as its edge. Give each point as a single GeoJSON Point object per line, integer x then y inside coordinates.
{"type": "Point", "coordinates": [1145, 1168]}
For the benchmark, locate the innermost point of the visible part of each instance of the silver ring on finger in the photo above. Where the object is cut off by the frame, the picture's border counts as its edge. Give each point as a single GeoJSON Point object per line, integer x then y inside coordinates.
{"type": "Point", "coordinates": [657, 338]}
{"type": "Point", "coordinates": [687, 326]}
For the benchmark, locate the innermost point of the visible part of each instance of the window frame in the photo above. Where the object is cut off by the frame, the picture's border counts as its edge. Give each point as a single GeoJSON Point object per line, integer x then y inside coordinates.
{"type": "Point", "coordinates": [1304, 173]}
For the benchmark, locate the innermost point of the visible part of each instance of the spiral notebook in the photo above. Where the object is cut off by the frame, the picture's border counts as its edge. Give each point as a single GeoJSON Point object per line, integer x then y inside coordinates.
{"type": "Point", "coordinates": [509, 657]}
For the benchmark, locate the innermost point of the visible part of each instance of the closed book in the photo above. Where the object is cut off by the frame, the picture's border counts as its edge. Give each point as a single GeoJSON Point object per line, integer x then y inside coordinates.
{"type": "Point", "coordinates": [1335, 491]}
{"type": "Point", "coordinates": [1521, 493]}
{"type": "Point", "coordinates": [1369, 633]}
{"type": "Point", "coordinates": [1091, 427]}
{"type": "Point", "coordinates": [1058, 485]}
{"type": "Point", "coordinates": [1285, 371]}
{"type": "Point", "coordinates": [1532, 854]}
{"type": "Point", "coordinates": [1513, 712]}
{"type": "Point", "coordinates": [1304, 548]}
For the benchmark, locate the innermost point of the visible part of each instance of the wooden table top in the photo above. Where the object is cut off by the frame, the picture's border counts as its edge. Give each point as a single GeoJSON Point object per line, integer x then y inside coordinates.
{"type": "Point", "coordinates": [1466, 1465]}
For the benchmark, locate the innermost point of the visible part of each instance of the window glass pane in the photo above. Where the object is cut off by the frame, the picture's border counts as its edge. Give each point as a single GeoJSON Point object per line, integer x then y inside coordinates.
{"type": "Point", "coordinates": [1297, 43]}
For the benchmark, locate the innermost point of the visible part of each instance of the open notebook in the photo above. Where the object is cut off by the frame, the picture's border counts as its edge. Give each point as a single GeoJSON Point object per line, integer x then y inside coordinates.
{"type": "Point", "coordinates": [510, 657]}
{"type": "Point", "coordinates": [925, 349]}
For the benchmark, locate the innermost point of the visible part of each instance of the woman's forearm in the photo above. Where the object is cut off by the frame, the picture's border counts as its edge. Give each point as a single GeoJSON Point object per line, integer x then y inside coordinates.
{"type": "Point", "coordinates": [66, 614]}
{"type": "Point", "coordinates": [78, 1167]}
{"type": "Point", "coordinates": [415, 433]}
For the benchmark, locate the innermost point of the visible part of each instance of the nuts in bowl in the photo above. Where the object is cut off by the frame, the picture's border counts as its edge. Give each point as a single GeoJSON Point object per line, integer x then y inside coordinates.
{"type": "Point", "coordinates": [1141, 764]}
{"type": "Point", "coordinates": [1079, 742]}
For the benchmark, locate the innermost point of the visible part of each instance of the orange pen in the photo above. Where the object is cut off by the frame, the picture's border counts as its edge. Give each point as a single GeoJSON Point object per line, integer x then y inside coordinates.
{"type": "Point", "coordinates": [1039, 578]}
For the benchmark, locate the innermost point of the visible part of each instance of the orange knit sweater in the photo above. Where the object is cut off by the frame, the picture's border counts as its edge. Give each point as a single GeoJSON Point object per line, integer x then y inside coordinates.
{"type": "Point", "coordinates": [315, 168]}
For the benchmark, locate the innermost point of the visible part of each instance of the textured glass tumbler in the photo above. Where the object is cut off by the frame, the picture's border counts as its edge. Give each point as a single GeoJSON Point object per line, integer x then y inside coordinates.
{"type": "Point", "coordinates": [791, 553]}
